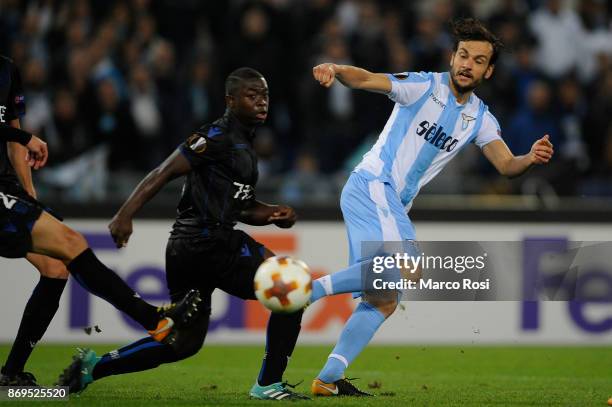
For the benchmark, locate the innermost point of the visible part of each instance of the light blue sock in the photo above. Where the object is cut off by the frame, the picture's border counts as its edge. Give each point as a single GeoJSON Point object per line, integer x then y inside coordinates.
{"type": "Point", "coordinates": [350, 280]}
{"type": "Point", "coordinates": [357, 333]}
{"type": "Point", "coordinates": [343, 281]}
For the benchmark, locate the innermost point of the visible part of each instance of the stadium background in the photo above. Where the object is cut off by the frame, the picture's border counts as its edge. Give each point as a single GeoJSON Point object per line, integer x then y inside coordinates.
{"type": "Point", "coordinates": [115, 86]}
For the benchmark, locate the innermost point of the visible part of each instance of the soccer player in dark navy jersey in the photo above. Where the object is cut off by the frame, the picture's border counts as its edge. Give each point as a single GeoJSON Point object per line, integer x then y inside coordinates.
{"type": "Point", "coordinates": [16, 179]}
{"type": "Point", "coordinates": [27, 229]}
{"type": "Point", "coordinates": [204, 250]}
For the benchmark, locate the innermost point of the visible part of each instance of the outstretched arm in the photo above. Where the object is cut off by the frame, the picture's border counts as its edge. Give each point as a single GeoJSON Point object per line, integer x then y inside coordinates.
{"type": "Point", "coordinates": [261, 214]}
{"type": "Point", "coordinates": [498, 153]}
{"type": "Point", "coordinates": [173, 167]}
{"type": "Point", "coordinates": [352, 77]}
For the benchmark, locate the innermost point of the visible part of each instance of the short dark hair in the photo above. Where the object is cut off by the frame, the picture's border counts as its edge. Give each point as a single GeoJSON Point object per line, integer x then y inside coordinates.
{"type": "Point", "coordinates": [471, 29]}
{"type": "Point", "coordinates": [235, 79]}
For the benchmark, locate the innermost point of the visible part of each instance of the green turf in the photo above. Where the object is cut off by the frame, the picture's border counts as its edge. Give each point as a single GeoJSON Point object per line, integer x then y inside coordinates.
{"type": "Point", "coordinates": [403, 376]}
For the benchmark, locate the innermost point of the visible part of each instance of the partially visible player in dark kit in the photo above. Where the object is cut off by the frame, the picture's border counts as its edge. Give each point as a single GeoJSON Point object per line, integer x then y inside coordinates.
{"type": "Point", "coordinates": [16, 179]}
{"type": "Point", "coordinates": [204, 250]}
{"type": "Point", "coordinates": [27, 229]}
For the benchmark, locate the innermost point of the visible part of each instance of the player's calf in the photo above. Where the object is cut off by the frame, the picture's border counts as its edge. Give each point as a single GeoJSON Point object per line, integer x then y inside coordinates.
{"type": "Point", "coordinates": [39, 311]}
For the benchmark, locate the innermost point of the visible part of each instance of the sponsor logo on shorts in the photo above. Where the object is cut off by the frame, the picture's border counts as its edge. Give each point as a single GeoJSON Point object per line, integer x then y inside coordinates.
{"type": "Point", "coordinates": [7, 200]}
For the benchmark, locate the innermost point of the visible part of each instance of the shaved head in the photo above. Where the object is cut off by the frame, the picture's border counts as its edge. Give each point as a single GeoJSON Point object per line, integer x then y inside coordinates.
{"type": "Point", "coordinates": [238, 78]}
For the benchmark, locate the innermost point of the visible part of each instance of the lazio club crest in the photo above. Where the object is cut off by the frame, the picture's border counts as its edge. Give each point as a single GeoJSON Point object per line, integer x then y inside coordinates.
{"type": "Point", "coordinates": [466, 121]}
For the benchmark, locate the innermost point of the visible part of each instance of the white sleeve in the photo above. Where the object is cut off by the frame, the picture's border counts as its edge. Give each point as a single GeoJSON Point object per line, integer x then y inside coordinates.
{"type": "Point", "coordinates": [408, 87]}
{"type": "Point", "coordinates": [489, 130]}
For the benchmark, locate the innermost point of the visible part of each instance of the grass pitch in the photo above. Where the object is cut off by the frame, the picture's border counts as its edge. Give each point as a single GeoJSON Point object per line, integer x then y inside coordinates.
{"type": "Point", "coordinates": [398, 375]}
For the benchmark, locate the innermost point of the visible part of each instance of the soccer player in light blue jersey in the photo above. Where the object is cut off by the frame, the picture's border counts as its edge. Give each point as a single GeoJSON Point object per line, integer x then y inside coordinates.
{"type": "Point", "coordinates": [435, 116]}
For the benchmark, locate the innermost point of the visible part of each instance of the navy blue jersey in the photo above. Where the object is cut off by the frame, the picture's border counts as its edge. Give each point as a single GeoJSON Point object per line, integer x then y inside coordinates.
{"type": "Point", "coordinates": [222, 181]}
{"type": "Point", "coordinates": [12, 106]}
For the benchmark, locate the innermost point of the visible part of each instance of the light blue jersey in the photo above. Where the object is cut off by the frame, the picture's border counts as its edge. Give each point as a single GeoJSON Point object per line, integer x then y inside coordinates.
{"type": "Point", "coordinates": [426, 129]}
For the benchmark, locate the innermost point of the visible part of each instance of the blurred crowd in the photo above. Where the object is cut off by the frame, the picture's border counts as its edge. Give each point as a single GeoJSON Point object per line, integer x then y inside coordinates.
{"type": "Point", "coordinates": [115, 86]}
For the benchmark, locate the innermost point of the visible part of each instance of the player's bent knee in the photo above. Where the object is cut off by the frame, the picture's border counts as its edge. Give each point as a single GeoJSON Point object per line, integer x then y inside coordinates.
{"type": "Point", "coordinates": [71, 243]}
{"type": "Point", "coordinates": [75, 240]}
{"type": "Point", "coordinates": [385, 301]}
{"type": "Point", "coordinates": [188, 342]}
{"type": "Point", "coordinates": [57, 241]}
{"type": "Point", "coordinates": [388, 308]}
{"type": "Point", "coordinates": [54, 269]}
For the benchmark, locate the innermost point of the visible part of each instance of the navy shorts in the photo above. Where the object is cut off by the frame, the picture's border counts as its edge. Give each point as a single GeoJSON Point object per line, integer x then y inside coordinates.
{"type": "Point", "coordinates": [228, 263]}
{"type": "Point", "coordinates": [18, 213]}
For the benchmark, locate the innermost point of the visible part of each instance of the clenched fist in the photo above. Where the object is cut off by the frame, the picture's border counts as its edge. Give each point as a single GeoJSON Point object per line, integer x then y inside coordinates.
{"type": "Point", "coordinates": [325, 74]}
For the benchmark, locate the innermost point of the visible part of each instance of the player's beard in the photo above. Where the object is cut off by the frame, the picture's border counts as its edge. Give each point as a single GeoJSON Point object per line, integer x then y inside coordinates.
{"type": "Point", "coordinates": [465, 89]}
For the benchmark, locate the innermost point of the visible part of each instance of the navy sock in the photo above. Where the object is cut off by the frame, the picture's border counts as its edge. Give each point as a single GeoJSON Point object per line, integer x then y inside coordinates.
{"type": "Point", "coordinates": [105, 283]}
{"type": "Point", "coordinates": [143, 354]}
{"type": "Point", "coordinates": [147, 353]}
{"type": "Point", "coordinates": [37, 316]}
{"type": "Point", "coordinates": [281, 337]}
